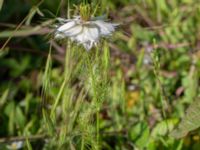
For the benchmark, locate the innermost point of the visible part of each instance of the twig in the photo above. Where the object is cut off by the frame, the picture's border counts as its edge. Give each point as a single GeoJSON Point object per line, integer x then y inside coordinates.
{"type": "Point", "coordinates": [22, 138]}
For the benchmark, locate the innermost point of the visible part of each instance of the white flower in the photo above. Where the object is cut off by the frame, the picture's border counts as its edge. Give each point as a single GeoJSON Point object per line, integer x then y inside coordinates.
{"type": "Point", "coordinates": [15, 145]}
{"type": "Point", "coordinates": [86, 33]}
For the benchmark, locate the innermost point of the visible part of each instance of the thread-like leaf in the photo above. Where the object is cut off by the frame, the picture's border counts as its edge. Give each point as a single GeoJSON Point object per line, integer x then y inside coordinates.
{"type": "Point", "coordinates": [48, 122]}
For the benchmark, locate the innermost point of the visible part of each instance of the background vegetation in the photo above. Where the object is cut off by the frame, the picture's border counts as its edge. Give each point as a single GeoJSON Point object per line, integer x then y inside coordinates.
{"type": "Point", "coordinates": [128, 93]}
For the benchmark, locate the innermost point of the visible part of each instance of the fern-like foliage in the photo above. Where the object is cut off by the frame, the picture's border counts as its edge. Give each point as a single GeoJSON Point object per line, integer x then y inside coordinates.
{"type": "Point", "coordinates": [190, 122]}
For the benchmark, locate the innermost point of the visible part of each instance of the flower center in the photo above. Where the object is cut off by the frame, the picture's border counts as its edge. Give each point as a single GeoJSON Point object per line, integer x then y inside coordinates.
{"type": "Point", "coordinates": [85, 12]}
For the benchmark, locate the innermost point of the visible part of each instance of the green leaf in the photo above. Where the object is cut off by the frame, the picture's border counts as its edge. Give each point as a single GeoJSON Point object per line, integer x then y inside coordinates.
{"type": "Point", "coordinates": [163, 127]}
{"type": "Point", "coordinates": [190, 83]}
{"type": "Point", "coordinates": [48, 122]}
{"type": "Point", "coordinates": [10, 112]}
{"type": "Point", "coordinates": [4, 52]}
{"type": "Point", "coordinates": [16, 67]}
{"type": "Point", "coordinates": [28, 144]}
{"type": "Point", "coordinates": [190, 122]}
{"type": "Point", "coordinates": [19, 117]}
{"type": "Point", "coordinates": [1, 4]}
{"type": "Point", "coordinates": [140, 134]}
{"type": "Point", "coordinates": [4, 97]}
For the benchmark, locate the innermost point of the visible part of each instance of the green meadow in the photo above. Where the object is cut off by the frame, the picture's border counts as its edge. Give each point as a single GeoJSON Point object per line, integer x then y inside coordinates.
{"type": "Point", "coordinates": [136, 88]}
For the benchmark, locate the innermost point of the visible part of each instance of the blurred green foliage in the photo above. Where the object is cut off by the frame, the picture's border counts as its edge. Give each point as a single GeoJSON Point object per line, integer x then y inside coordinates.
{"type": "Point", "coordinates": [140, 82]}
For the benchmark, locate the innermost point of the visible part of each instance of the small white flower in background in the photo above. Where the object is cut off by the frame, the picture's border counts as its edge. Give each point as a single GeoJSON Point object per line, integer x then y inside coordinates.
{"type": "Point", "coordinates": [84, 31]}
{"type": "Point", "coordinates": [147, 60]}
{"type": "Point", "coordinates": [15, 145]}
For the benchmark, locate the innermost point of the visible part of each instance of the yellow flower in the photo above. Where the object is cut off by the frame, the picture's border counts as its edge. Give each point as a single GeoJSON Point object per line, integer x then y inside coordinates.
{"type": "Point", "coordinates": [132, 96]}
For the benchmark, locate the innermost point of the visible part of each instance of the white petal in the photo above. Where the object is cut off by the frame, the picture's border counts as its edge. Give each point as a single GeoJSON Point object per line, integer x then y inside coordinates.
{"type": "Point", "coordinates": [80, 37]}
{"type": "Point", "coordinates": [87, 35]}
{"type": "Point", "coordinates": [93, 33]}
{"type": "Point", "coordinates": [59, 36]}
{"type": "Point", "coordinates": [74, 31]}
{"type": "Point", "coordinates": [66, 26]}
{"type": "Point", "coordinates": [88, 45]}
{"type": "Point", "coordinates": [83, 37]}
{"type": "Point", "coordinates": [105, 28]}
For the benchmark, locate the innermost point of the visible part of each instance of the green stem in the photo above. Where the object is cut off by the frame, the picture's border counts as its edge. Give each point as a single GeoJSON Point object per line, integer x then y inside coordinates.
{"type": "Point", "coordinates": [85, 1]}
{"type": "Point", "coordinates": [95, 99]}
{"type": "Point", "coordinates": [68, 9]}
{"type": "Point", "coordinates": [82, 143]}
{"type": "Point", "coordinates": [67, 60]}
{"type": "Point", "coordinates": [97, 127]}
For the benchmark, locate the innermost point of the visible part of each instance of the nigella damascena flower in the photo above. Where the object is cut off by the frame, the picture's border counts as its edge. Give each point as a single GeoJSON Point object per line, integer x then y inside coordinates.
{"type": "Point", "coordinates": [87, 33]}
